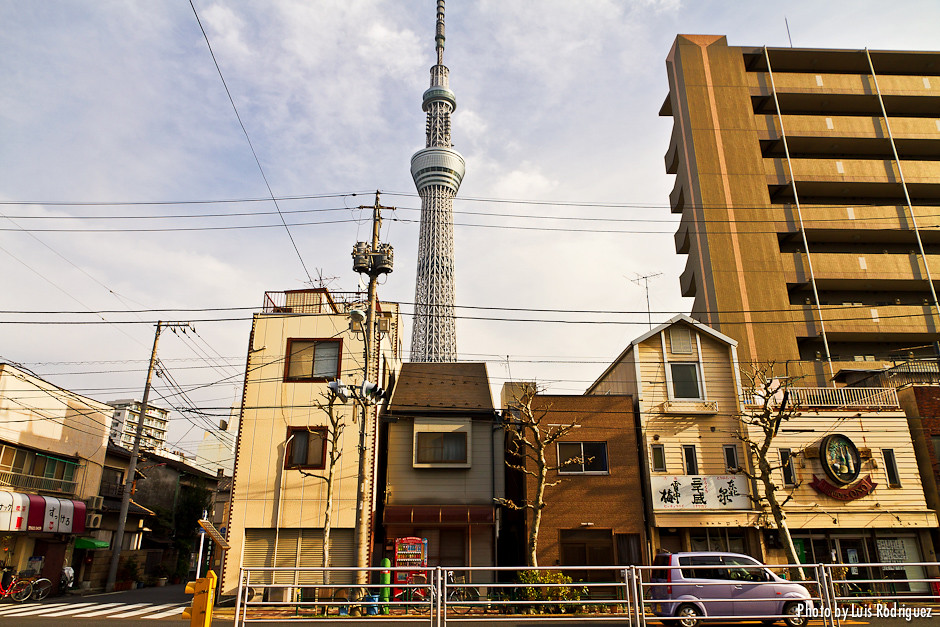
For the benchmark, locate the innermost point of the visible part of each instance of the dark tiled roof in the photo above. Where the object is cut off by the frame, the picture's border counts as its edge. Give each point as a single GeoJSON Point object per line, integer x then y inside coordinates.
{"type": "Point", "coordinates": [441, 387]}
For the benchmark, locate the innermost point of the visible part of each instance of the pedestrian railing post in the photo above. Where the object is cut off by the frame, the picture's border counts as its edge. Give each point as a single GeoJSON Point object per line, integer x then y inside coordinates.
{"type": "Point", "coordinates": [238, 599]}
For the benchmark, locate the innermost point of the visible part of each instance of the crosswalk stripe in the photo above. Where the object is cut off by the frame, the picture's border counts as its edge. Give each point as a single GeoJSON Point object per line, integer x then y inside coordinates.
{"type": "Point", "coordinates": [109, 610]}
{"type": "Point", "coordinates": [47, 609]}
{"type": "Point", "coordinates": [142, 610]}
{"type": "Point", "coordinates": [14, 608]}
{"type": "Point", "coordinates": [178, 610]}
{"type": "Point", "coordinates": [26, 609]}
{"type": "Point", "coordinates": [82, 607]}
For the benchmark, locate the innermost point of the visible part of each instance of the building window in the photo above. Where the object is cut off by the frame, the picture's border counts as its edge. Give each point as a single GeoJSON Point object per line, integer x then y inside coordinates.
{"type": "Point", "coordinates": [936, 447]}
{"type": "Point", "coordinates": [305, 448]}
{"type": "Point", "coordinates": [680, 340]}
{"type": "Point", "coordinates": [441, 448]}
{"type": "Point", "coordinates": [786, 467]}
{"type": "Point", "coordinates": [592, 456]}
{"type": "Point", "coordinates": [312, 360]}
{"type": "Point", "coordinates": [731, 457]}
{"type": "Point", "coordinates": [891, 468]}
{"type": "Point", "coordinates": [691, 462]}
{"type": "Point", "coordinates": [659, 458]}
{"type": "Point", "coordinates": [685, 381]}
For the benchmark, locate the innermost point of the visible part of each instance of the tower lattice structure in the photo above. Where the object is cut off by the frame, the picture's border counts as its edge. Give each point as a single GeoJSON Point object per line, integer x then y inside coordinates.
{"type": "Point", "coordinates": [437, 171]}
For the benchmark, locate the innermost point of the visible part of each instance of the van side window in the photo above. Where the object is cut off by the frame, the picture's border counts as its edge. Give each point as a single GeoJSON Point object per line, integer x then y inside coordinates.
{"type": "Point", "coordinates": [747, 571]}
{"type": "Point", "coordinates": [702, 572]}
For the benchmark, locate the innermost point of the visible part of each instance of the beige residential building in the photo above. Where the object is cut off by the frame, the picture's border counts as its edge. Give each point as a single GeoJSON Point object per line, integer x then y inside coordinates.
{"type": "Point", "coordinates": [52, 450]}
{"type": "Point", "coordinates": [845, 459]}
{"type": "Point", "coordinates": [299, 342]}
{"type": "Point", "coordinates": [808, 182]}
{"type": "Point", "coordinates": [684, 380]}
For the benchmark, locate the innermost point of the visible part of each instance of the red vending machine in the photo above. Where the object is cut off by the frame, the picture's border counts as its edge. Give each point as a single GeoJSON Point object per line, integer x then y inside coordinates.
{"type": "Point", "coordinates": [410, 553]}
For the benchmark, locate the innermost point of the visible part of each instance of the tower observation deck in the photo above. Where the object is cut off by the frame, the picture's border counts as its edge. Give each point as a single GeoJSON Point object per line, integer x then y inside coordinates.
{"type": "Point", "coordinates": [437, 171]}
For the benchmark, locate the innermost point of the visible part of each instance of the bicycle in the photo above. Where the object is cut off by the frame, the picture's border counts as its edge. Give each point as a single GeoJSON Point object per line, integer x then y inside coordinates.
{"type": "Point", "coordinates": [14, 587]}
{"type": "Point", "coordinates": [41, 588]}
{"type": "Point", "coordinates": [458, 593]}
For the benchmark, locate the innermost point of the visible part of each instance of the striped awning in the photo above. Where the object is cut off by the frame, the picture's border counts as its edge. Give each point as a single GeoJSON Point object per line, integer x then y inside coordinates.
{"type": "Point", "coordinates": [31, 512]}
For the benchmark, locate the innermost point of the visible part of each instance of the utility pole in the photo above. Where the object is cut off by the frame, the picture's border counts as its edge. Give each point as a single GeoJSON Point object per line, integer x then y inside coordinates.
{"type": "Point", "coordinates": [373, 260]}
{"type": "Point", "coordinates": [132, 466]}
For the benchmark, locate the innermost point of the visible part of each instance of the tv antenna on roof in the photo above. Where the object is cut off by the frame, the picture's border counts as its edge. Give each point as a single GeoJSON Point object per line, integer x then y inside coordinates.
{"type": "Point", "coordinates": [646, 285]}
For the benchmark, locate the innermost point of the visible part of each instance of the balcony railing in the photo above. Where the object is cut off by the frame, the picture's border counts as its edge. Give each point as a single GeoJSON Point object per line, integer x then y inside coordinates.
{"type": "Point", "coordinates": [33, 483]}
{"type": "Point", "coordinates": [838, 398]}
{"type": "Point", "coordinates": [111, 490]}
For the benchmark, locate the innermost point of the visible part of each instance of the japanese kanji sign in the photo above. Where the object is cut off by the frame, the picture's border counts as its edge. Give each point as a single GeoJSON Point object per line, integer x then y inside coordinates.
{"type": "Point", "coordinates": [700, 492]}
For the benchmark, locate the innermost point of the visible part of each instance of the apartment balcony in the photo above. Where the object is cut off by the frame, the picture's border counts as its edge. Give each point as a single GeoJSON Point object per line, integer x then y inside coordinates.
{"type": "Point", "coordinates": [683, 407]}
{"type": "Point", "coordinates": [32, 483]}
{"type": "Point", "coordinates": [837, 398]}
{"type": "Point", "coordinates": [914, 323]}
{"type": "Point", "coordinates": [869, 223]}
{"type": "Point", "coordinates": [805, 93]}
{"type": "Point", "coordinates": [111, 490]}
{"type": "Point", "coordinates": [835, 180]}
{"type": "Point", "coordinates": [862, 271]}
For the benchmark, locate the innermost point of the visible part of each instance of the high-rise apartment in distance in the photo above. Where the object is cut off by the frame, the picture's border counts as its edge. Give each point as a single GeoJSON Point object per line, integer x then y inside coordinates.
{"type": "Point", "coordinates": [809, 186]}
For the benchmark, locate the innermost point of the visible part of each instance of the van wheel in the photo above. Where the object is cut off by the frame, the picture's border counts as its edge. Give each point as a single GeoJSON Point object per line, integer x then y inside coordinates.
{"type": "Point", "coordinates": [688, 615]}
{"type": "Point", "coordinates": [795, 614]}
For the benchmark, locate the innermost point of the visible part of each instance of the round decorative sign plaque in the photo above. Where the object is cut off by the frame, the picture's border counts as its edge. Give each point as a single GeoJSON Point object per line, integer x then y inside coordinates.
{"type": "Point", "coordinates": [840, 458]}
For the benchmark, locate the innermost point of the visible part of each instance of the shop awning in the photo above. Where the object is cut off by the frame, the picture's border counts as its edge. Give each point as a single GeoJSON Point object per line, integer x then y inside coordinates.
{"type": "Point", "coordinates": [439, 514]}
{"type": "Point", "coordinates": [90, 543]}
{"type": "Point", "coordinates": [31, 512]}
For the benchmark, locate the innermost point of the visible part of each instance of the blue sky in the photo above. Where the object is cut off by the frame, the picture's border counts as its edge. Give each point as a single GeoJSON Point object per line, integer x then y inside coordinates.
{"type": "Point", "coordinates": [557, 104]}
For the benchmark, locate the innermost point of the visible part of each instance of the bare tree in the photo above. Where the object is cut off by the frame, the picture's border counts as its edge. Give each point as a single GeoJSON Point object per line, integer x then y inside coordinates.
{"type": "Point", "coordinates": [334, 453]}
{"type": "Point", "coordinates": [529, 438]}
{"type": "Point", "coordinates": [762, 422]}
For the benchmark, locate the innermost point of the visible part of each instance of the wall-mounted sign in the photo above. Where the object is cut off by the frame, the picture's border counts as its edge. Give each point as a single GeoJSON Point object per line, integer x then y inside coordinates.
{"type": "Point", "coordinates": [697, 492]}
{"type": "Point", "coordinates": [840, 458]}
{"type": "Point", "coordinates": [848, 493]}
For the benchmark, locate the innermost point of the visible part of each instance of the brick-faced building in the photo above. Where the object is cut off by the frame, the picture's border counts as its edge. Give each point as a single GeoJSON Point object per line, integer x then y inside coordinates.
{"type": "Point", "coordinates": [594, 515]}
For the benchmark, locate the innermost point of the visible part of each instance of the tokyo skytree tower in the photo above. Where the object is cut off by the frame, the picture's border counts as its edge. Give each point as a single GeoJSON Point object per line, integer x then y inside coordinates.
{"type": "Point", "coordinates": [437, 171]}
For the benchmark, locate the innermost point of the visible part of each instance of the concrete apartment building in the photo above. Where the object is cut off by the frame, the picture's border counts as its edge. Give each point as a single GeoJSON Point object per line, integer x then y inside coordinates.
{"type": "Point", "coordinates": [124, 425]}
{"type": "Point", "coordinates": [299, 342]}
{"type": "Point", "coordinates": [52, 449]}
{"type": "Point", "coordinates": [808, 182]}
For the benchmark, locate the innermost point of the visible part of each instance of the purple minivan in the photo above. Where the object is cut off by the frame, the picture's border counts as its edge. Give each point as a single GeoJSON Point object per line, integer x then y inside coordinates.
{"type": "Point", "coordinates": [725, 585]}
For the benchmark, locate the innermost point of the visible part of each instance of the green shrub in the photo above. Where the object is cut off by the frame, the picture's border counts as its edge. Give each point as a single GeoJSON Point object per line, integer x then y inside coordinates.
{"type": "Point", "coordinates": [558, 590]}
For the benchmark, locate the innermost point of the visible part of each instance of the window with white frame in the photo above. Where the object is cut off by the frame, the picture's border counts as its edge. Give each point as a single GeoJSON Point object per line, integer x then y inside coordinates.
{"type": "Point", "coordinates": [680, 340]}
{"type": "Point", "coordinates": [442, 443]}
{"type": "Point", "coordinates": [731, 456]}
{"type": "Point", "coordinates": [685, 380]}
{"type": "Point", "coordinates": [582, 458]}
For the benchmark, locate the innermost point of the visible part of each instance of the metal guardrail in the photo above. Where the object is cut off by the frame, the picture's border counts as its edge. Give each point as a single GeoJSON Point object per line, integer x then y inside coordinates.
{"type": "Point", "coordinates": [619, 593]}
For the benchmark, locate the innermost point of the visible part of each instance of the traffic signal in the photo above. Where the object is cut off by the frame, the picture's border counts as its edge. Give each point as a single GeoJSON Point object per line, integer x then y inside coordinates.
{"type": "Point", "coordinates": [338, 388]}
{"type": "Point", "coordinates": [203, 591]}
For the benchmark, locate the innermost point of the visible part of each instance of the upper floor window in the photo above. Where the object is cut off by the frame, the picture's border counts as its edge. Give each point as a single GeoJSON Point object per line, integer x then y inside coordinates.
{"type": "Point", "coordinates": [306, 448]}
{"type": "Point", "coordinates": [433, 447]}
{"type": "Point", "coordinates": [312, 360]}
{"type": "Point", "coordinates": [680, 340]}
{"type": "Point", "coordinates": [685, 380]}
{"type": "Point", "coordinates": [786, 467]}
{"type": "Point", "coordinates": [690, 458]}
{"type": "Point", "coordinates": [891, 468]}
{"type": "Point", "coordinates": [731, 456]}
{"type": "Point", "coordinates": [659, 457]}
{"type": "Point", "coordinates": [582, 457]}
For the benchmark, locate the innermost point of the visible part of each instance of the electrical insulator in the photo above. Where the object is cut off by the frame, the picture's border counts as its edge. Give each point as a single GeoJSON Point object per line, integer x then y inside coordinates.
{"type": "Point", "coordinates": [383, 259]}
{"type": "Point", "coordinates": [360, 255]}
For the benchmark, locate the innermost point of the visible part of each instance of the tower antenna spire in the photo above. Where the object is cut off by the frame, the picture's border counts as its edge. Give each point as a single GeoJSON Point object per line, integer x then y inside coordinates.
{"type": "Point", "coordinates": [437, 171]}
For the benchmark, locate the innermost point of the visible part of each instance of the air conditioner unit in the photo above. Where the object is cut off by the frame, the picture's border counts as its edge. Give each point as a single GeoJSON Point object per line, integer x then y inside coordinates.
{"type": "Point", "coordinates": [92, 521]}
{"type": "Point", "coordinates": [95, 502]}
